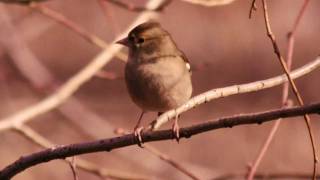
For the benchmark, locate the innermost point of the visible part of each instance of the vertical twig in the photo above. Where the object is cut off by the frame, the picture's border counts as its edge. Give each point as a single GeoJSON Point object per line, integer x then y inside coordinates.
{"type": "Point", "coordinates": [73, 167]}
{"type": "Point", "coordinates": [292, 84]}
{"type": "Point", "coordinates": [109, 16]}
{"type": "Point", "coordinates": [252, 8]}
{"type": "Point", "coordinates": [285, 93]}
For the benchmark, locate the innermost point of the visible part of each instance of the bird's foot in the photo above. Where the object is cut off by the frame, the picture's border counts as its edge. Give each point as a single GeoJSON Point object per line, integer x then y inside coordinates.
{"type": "Point", "coordinates": [176, 131]}
{"type": "Point", "coordinates": [137, 133]}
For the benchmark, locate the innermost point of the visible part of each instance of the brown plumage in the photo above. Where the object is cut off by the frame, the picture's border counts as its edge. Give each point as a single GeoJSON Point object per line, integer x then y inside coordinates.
{"type": "Point", "coordinates": [157, 74]}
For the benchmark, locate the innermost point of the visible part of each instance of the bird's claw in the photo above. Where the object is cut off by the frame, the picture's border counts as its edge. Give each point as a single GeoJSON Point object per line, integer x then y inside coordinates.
{"type": "Point", "coordinates": [137, 134]}
{"type": "Point", "coordinates": [176, 131]}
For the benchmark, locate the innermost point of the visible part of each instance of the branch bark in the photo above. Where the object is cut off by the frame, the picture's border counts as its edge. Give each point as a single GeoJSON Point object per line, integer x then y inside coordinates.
{"type": "Point", "coordinates": [122, 141]}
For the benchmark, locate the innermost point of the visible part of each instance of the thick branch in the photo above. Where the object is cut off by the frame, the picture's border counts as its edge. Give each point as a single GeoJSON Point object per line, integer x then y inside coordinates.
{"type": "Point", "coordinates": [21, 1]}
{"type": "Point", "coordinates": [127, 140]}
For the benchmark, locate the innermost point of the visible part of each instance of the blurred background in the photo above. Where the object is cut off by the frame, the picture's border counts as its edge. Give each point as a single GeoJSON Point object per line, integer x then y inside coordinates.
{"type": "Point", "coordinates": [225, 47]}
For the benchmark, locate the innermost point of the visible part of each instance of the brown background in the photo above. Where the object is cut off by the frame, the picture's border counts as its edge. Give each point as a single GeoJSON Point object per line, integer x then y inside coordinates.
{"type": "Point", "coordinates": [221, 42]}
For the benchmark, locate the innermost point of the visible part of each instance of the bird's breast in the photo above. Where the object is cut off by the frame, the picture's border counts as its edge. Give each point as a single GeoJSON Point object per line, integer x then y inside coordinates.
{"type": "Point", "coordinates": [159, 85]}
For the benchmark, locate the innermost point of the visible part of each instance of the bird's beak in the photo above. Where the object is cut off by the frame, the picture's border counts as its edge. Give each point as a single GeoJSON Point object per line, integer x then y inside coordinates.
{"type": "Point", "coordinates": [123, 41]}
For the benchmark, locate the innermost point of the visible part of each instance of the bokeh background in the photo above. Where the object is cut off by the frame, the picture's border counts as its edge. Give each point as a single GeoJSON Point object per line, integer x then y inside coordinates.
{"type": "Point", "coordinates": [224, 47]}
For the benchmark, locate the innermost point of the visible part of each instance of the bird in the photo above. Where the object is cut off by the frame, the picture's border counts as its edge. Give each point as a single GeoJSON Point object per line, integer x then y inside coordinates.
{"type": "Point", "coordinates": [157, 72]}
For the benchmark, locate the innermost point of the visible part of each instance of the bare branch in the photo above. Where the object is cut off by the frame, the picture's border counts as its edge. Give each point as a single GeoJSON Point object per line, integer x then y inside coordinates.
{"type": "Point", "coordinates": [24, 2]}
{"type": "Point", "coordinates": [210, 3]}
{"type": "Point", "coordinates": [253, 7]}
{"type": "Point", "coordinates": [264, 176]}
{"type": "Point", "coordinates": [127, 140]}
{"type": "Point", "coordinates": [110, 17]}
{"type": "Point", "coordinates": [132, 7]}
{"type": "Point", "coordinates": [73, 167]}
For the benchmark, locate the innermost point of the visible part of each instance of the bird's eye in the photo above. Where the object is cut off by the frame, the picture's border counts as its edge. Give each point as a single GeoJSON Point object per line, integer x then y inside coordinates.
{"type": "Point", "coordinates": [140, 40]}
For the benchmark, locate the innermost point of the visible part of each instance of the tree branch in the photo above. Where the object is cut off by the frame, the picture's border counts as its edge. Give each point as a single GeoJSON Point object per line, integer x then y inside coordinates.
{"type": "Point", "coordinates": [122, 141]}
{"type": "Point", "coordinates": [266, 176]}
{"type": "Point", "coordinates": [132, 7]}
{"type": "Point", "coordinates": [253, 7]}
{"type": "Point", "coordinates": [209, 3]}
{"type": "Point", "coordinates": [23, 2]}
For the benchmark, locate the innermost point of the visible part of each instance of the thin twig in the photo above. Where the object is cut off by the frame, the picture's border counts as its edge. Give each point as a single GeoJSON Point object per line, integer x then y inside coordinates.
{"type": "Point", "coordinates": [210, 3]}
{"type": "Point", "coordinates": [174, 163]}
{"type": "Point", "coordinates": [227, 91]}
{"type": "Point", "coordinates": [108, 13]}
{"type": "Point", "coordinates": [292, 84]}
{"type": "Point", "coordinates": [126, 140]}
{"type": "Point", "coordinates": [73, 167]}
{"type": "Point", "coordinates": [252, 170]}
{"type": "Point", "coordinates": [132, 7]}
{"type": "Point", "coordinates": [265, 176]}
{"type": "Point", "coordinates": [291, 34]}
{"type": "Point", "coordinates": [253, 7]}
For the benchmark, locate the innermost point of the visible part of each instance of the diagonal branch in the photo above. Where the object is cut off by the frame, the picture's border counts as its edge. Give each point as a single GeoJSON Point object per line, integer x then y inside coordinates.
{"type": "Point", "coordinates": [103, 145]}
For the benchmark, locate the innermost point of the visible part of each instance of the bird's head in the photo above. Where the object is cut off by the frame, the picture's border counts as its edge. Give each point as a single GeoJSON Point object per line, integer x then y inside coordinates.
{"type": "Point", "coordinates": [148, 38]}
